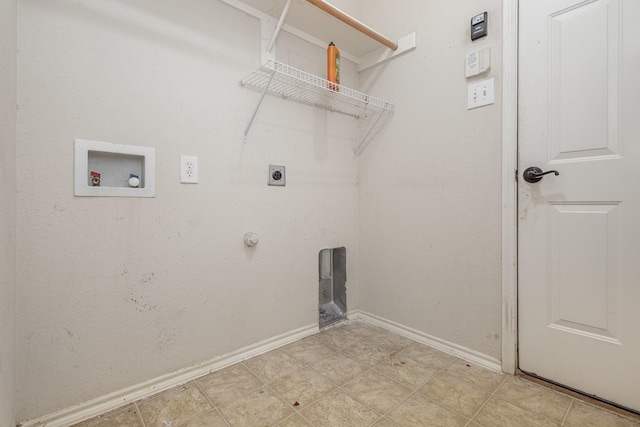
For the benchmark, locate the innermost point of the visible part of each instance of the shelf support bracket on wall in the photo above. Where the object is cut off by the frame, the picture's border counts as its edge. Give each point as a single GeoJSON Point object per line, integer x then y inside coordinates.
{"type": "Point", "coordinates": [276, 33]}
{"type": "Point", "coordinates": [253, 116]}
{"type": "Point", "coordinates": [405, 44]}
{"type": "Point", "coordinates": [367, 132]}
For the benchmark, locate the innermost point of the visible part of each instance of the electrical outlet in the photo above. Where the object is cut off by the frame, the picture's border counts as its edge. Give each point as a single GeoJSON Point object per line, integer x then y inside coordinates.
{"type": "Point", "coordinates": [188, 169]}
{"type": "Point", "coordinates": [276, 175]}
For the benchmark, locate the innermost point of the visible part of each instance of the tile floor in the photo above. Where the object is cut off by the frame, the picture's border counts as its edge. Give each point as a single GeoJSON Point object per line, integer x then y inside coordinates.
{"type": "Point", "coordinates": [356, 374]}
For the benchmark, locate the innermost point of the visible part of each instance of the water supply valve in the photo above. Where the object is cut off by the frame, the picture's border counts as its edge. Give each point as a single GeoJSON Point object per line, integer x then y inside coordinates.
{"type": "Point", "coordinates": [95, 179]}
{"type": "Point", "coordinates": [134, 180]}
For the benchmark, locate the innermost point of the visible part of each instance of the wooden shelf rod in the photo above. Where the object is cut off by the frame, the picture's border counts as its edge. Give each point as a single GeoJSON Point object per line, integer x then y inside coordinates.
{"type": "Point", "coordinates": [351, 21]}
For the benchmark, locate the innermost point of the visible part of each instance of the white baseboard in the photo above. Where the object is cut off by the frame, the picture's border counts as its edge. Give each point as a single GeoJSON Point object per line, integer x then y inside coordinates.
{"type": "Point", "coordinates": [459, 351]}
{"type": "Point", "coordinates": [127, 395]}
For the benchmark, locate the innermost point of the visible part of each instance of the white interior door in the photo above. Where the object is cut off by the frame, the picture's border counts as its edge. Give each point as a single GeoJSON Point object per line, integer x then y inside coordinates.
{"type": "Point", "coordinates": [579, 232]}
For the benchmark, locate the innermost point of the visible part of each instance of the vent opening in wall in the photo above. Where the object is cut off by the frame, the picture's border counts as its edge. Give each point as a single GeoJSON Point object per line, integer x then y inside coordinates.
{"type": "Point", "coordinates": [332, 267]}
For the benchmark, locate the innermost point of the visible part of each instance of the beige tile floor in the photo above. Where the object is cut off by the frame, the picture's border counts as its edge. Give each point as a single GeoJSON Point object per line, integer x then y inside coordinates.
{"type": "Point", "coordinates": [356, 374]}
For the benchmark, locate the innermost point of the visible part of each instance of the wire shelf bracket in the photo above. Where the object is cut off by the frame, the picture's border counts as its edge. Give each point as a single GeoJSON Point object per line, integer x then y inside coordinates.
{"type": "Point", "coordinates": [280, 79]}
{"type": "Point", "coordinates": [255, 112]}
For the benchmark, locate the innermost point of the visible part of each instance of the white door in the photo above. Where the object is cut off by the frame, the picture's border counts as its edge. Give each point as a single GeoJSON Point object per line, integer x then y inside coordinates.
{"type": "Point", "coordinates": [579, 232]}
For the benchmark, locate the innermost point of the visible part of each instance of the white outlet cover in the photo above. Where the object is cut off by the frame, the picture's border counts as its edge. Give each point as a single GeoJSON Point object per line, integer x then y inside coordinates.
{"type": "Point", "coordinates": [189, 169]}
{"type": "Point", "coordinates": [480, 94]}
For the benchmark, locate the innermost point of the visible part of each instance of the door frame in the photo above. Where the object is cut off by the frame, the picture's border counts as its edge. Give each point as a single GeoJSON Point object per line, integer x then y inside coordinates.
{"type": "Point", "coordinates": [509, 186]}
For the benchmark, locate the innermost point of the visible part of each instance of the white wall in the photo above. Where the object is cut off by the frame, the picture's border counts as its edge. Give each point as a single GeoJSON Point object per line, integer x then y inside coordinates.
{"type": "Point", "coordinates": [7, 208]}
{"type": "Point", "coordinates": [113, 291]}
{"type": "Point", "coordinates": [430, 188]}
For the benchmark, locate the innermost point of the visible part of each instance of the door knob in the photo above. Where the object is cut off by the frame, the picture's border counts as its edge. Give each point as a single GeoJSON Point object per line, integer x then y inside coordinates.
{"type": "Point", "coordinates": [535, 174]}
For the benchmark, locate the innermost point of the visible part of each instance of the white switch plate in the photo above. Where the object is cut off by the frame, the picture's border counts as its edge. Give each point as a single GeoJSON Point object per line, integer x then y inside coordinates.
{"type": "Point", "coordinates": [188, 169]}
{"type": "Point", "coordinates": [480, 94]}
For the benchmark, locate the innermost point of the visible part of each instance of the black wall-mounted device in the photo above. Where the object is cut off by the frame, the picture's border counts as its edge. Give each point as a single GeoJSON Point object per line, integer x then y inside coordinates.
{"type": "Point", "coordinates": [479, 26]}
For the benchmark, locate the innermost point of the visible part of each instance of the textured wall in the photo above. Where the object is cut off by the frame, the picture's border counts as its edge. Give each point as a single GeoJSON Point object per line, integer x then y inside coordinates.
{"type": "Point", "coordinates": [430, 232]}
{"type": "Point", "coordinates": [116, 291]}
{"type": "Point", "coordinates": [7, 207]}
{"type": "Point", "coordinates": [112, 292]}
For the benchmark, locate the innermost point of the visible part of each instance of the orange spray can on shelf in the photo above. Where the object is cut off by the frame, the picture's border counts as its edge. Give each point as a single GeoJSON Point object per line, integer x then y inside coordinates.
{"type": "Point", "coordinates": [333, 67]}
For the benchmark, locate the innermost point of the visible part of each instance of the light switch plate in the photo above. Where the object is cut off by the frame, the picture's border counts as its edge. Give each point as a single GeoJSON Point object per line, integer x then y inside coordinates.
{"type": "Point", "coordinates": [480, 94]}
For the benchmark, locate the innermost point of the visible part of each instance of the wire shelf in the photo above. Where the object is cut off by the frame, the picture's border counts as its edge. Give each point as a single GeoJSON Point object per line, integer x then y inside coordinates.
{"type": "Point", "coordinates": [290, 83]}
